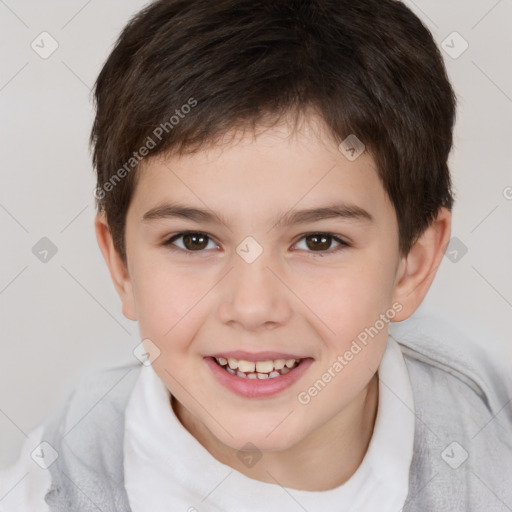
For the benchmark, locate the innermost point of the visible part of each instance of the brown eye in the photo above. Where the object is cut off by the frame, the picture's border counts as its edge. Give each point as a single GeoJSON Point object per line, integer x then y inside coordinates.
{"type": "Point", "coordinates": [321, 243]}
{"type": "Point", "coordinates": [192, 241]}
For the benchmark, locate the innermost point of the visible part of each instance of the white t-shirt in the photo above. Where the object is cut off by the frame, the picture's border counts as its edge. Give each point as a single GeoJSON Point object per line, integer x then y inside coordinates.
{"type": "Point", "coordinates": [166, 468]}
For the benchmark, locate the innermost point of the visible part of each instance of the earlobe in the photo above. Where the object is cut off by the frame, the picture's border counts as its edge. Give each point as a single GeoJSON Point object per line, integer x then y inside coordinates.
{"type": "Point", "coordinates": [116, 266]}
{"type": "Point", "coordinates": [418, 269]}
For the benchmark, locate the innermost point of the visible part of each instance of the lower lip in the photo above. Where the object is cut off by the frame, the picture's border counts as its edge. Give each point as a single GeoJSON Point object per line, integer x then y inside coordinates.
{"type": "Point", "coordinates": [257, 388]}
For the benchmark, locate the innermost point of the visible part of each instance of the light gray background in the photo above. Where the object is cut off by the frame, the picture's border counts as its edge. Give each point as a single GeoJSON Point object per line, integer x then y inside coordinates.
{"type": "Point", "coordinates": [62, 318]}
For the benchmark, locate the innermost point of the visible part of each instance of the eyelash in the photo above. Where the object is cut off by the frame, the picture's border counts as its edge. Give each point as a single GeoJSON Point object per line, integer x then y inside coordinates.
{"type": "Point", "coordinates": [172, 247]}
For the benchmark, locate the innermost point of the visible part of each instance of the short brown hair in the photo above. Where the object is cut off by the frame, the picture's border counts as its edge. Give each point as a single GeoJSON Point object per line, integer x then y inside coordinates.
{"type": "Point", "coordinates": [367, 67]}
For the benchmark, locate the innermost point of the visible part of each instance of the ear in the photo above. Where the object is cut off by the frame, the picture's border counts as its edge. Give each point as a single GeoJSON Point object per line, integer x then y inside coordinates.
{"type": "Point", "coordinates": [117, 267]}
{"type": "Point", "coordinates": [418, 269]}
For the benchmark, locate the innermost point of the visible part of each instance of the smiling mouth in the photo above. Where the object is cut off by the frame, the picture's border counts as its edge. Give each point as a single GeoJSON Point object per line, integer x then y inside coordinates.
{"type": "Point", "coordinates": [257, 370]}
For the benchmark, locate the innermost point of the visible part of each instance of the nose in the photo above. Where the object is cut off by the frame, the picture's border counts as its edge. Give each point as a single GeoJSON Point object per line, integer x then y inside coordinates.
{"type": "Point", "coordinates": [253, 296]}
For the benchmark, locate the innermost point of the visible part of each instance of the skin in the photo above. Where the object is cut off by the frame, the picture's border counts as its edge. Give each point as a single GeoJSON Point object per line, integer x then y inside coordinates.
{"type": "Point", "coordinates": [212, 301]}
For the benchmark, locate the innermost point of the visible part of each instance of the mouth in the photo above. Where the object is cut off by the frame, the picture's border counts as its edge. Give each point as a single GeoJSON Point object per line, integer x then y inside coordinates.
{"type": "Point", "coordinates": [257, 379]}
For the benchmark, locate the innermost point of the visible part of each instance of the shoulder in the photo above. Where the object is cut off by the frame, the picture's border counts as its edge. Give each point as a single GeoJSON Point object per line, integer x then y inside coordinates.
{"type": "Point", "coordinates": [24, 483]}
{"type": "Point", "coordinates": [463, 426]}
{"type": "Point", "coordinates": [442, 360]}
{"type": "Point", "coordinates": [98, 398]}
{"type": "Point", "coordinates": [105, 389]}
{"type": "Point", "coordinates": [98, 395]}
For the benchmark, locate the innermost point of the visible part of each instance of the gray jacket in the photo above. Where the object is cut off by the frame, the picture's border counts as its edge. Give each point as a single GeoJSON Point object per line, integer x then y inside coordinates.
{"type": "Point", "coordinates": [462, 446]}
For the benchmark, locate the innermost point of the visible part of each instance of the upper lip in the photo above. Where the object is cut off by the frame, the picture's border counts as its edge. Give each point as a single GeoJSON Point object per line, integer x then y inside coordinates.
{"type": "Point", "coordinates": [256, 356]}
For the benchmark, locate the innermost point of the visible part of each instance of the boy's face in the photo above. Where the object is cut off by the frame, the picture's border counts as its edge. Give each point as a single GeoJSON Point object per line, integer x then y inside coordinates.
{"type": "Point", "coordinates": [301, 296]}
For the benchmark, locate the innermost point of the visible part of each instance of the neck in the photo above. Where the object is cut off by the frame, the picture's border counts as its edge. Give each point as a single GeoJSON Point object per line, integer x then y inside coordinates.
{"type": "Point", "coordinates": [323, 460]}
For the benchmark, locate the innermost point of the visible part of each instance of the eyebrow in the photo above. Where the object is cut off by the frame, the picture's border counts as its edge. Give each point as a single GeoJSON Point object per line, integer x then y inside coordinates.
{"type": "Point", "coordinates": [339, 210]}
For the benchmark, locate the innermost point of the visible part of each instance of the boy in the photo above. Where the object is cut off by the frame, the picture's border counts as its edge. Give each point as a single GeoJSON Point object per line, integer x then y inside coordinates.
{"type": "Point", "coordinates": [273, 193]}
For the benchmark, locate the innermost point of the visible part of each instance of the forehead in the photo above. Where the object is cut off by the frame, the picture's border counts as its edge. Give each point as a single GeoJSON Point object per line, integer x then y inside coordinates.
{"type": "Point", "coordinates": [261, 174]}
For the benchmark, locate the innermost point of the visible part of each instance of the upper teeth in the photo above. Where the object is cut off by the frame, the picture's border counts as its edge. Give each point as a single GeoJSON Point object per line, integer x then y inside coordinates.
{"type": "Point", "coordinates": [260, 366]}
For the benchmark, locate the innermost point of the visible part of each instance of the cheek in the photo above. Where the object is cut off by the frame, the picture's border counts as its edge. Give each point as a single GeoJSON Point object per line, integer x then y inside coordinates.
{"type": "Point", "coordinates": [167, 301]}
{"type": "Point", "coordinates": [355, 339]}
{"type": "Point", "coordinates": [350, 299]}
